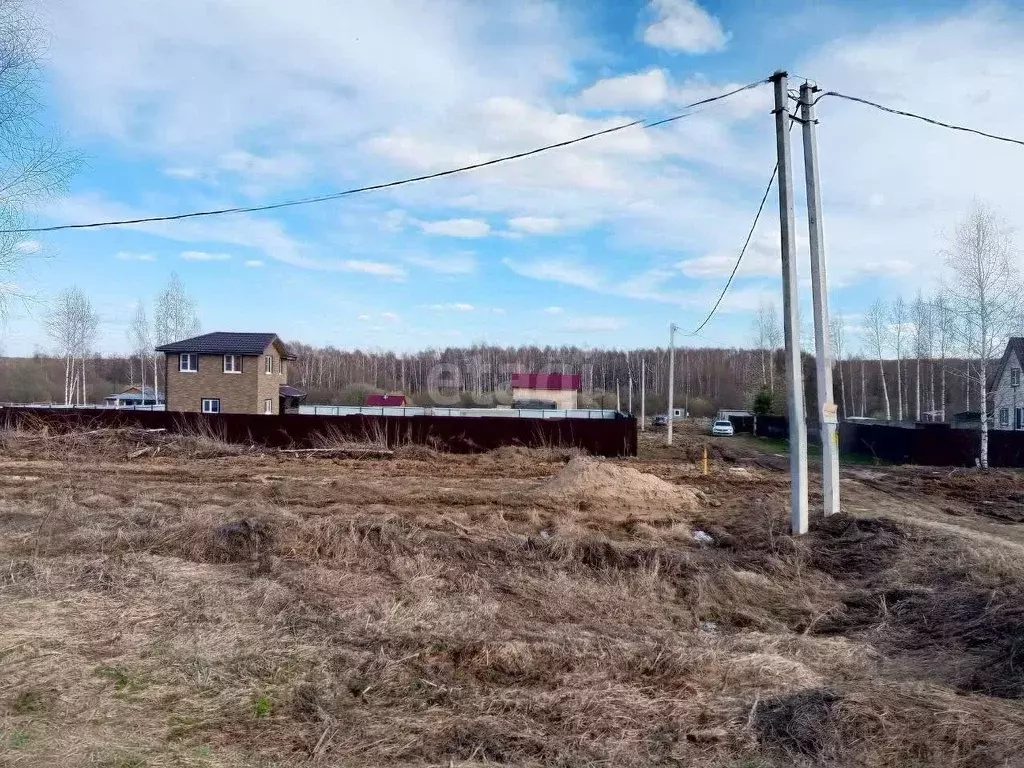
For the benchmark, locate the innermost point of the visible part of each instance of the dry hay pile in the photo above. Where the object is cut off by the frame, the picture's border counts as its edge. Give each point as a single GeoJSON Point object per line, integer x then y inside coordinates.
{"type": "Point", "coordinates": [616, 492]}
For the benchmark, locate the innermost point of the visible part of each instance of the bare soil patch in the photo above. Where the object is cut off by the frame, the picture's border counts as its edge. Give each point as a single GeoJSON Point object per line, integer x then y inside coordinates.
{"type": "Point", "coordinates": [602, 487]}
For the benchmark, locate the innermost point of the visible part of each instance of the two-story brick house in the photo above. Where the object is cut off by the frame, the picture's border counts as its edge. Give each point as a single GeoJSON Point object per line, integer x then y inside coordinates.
{"type": "Point", "coordinates": [1005, 389]}
{"type": "Point", "coordinates": [225, 373]}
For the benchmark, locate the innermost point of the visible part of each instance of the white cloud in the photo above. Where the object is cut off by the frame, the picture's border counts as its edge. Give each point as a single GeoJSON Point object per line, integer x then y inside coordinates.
{"type": "Point", "coordinates": [252, 263]}
{"type": "Point", "coordinates": [557, 270]}
{"type": "Point", "coordinates": [133, 256]}
{"type": "Point", "coordinates": [186, 174]}
{"type": "Point", "coordinates": [281, 168]}
{"type": "Point", "coordinates": [762, 259]}
{"type": "Point", "coordinates": [28, 246]}
{"type": "Point", "coordinates": [683, 25]}
{"type": "Point", "coordinates": [392, 316]}
{"type": "Point", "coordinates": [363, 317]}
{"type": "Point", "coordinates": [204, 256]}
{"type": "Point", "coordinates": [553, 310]}
{"type": "Point", "coordinates": [446, 264]}
{"type": "Point", "coordinates": [457, 227]}
{"type": "Point", "coordinates": [167, 84]}
{"type": "Point", "coordinates": [637, 90]}
{"type": "Point", "coordinates": [593, 324]}
{"type": "Point", "coordinates": [458, 306]}
{"type": "Point", "coordinates": [497, 311]}
{"type": "Point", "coordinates": [377, 268]}
{"type": "Point", "coordinates": [536, 225]}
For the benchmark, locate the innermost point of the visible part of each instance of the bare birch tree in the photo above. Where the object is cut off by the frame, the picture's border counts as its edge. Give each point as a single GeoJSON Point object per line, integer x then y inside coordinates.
{"type": "Point", "coordinates": [943, 332]}
{"type": "Point", "coordinates": [898, 318]}
{"type": "Point", "coordinates": [768, 333]}
{"type": "Point", "coordinates": [33, 164]}
{"type": "Point", "coordinates": [921, 317]}
{"type": "Point", "coordinates": [879, 334]}
{"type": "Point", "coordinates": [838, 343]}
{"type": "Point", "coordinates": [174, 318]}
{"type": "Point", "coordinates": [72, 324]}
{"type": "Point", "coordinates": [983, 297]}
{"type": "Point", "coordinates": [141, 338]}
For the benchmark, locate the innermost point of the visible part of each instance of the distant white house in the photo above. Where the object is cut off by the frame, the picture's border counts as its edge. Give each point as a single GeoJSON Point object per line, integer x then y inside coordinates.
{"type": "Point", "coordinates": [134, 395]}
{"type": "Point", "coordinates": [1007, 399]}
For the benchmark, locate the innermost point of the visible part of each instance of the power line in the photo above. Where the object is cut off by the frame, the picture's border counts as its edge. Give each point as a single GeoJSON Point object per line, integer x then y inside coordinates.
{"type": "Point", "coordinates": [743, 250]}
{"type": "Point", "coordinates": [929, 120]}
{"type": "Point", "coordinates": [645, 123]}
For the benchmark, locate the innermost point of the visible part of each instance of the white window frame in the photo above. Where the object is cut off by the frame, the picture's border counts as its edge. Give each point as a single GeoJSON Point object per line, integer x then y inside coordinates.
{"type": "Point", "coordinates": [210, 408]}
{"type": "Point", "coordinates": [268, 364]}
{"type": "Point", "coordinates": [185, 360]}
{"type": "Point", "coordinates": [1015, 377]}
{"type": "Point", "coordinates": [236, 364]}
{"type": "Point", "coordinates": [268, 407]}
{"type": "Point", "coordinates": [1004, 417]}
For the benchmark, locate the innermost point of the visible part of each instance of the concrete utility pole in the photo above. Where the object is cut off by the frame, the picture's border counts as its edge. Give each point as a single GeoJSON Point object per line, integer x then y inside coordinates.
{"type": "Point", "coordinates": [827, 411]}
{"type": "Point", "coordinates": [791, 323]}
{"type": "Point", "coordinates": [643, 394]}
{"type": "Point", "coordinates": [672, 328]}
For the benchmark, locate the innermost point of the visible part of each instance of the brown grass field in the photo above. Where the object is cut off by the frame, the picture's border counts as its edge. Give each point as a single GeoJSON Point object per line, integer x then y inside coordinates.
{"type": "Point", "coordinates": [203, 605]}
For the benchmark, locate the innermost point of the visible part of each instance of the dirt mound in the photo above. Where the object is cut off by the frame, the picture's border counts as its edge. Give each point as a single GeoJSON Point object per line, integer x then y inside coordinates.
{"type": "Point", "coordinates": [613, 490]}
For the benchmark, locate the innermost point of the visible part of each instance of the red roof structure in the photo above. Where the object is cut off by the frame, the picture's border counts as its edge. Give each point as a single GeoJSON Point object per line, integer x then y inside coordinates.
{"type": "Point", "coordinates": [557, 382]}
{"type": "Point", "coordinates": [388, 401]}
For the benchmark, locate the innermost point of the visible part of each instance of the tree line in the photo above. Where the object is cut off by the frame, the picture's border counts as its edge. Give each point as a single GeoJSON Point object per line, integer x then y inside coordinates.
{"type": "Point", "coordinates": [919, 358]}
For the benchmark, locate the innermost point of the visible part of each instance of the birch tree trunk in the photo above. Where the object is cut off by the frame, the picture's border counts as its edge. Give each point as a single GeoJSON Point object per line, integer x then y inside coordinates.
{"type": "Point", "coordinates": [917, 401]}
{"type": "Point", "coordinates": [885, 390]}
{"type": "Point", "coordinates": [899, 390]}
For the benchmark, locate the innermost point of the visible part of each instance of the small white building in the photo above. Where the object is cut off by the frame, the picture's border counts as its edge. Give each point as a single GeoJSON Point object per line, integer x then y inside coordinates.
{"type": "Point", "coordinates": [1007, 399]}
{"type": "Point", "coordinates": [561, 389]}
{"type": "Point", "coordinates": [134, 396]}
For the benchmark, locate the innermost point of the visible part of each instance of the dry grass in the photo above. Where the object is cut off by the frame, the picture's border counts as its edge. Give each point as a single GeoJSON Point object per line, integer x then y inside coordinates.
{"type": "Point", "coordinates": [442, 610]}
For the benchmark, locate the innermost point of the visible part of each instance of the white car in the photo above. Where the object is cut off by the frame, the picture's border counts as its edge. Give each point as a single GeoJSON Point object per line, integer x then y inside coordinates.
{"type": "Point", "coordinates": [722, 427]}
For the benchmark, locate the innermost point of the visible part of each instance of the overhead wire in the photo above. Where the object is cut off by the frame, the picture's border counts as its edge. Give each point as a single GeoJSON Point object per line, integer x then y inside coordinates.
{"type": "Point", "coordinates": [645, 123]}
{"type": "Point", "coordinates": [743, 251]}
{"type": "Point", "coordinates": [792, 95]}
{"type": "Point", "coordinates": [746, 244]}
{"type": "Point", "coordinates": [930, 120]}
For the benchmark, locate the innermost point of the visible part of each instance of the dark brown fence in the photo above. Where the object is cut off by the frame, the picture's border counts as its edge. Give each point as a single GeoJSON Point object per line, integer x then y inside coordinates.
{"type": "Point", "coordinates": [931, 444]}
{"type": "Point", "coordinates": [468, 434]}
{"type": "Point", "coordinates": [776, 427]}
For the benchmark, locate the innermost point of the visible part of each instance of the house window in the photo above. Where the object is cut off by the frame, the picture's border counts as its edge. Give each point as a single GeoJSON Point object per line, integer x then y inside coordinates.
{"type": "Point", "coordinates": [211, 405]}
{"type": "Point", "coordinates": [188, 362]}
{"type": "Point", "coordinates": [268, 406]}
{"type": "Point", "coordinates": [1015, 377]}
{"type": "Point", "coordinates": [268, 363]}
{"type": "Point", "coordinates": [232, 363]}
{"type": "Point", "coordinates": [1004, 417]}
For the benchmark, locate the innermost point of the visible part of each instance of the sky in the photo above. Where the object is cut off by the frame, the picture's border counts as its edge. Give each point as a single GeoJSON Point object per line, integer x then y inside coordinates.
{"type": "Point", "coordinates": [192, 105]}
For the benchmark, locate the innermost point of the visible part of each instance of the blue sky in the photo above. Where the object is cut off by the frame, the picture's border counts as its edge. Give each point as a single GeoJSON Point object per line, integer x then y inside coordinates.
{"type": "Point", "coordinates": [185, 105]}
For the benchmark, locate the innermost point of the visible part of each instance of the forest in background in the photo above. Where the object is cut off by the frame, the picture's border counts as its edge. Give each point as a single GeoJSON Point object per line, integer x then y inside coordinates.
{"type": "Point", "coordinates": [706, 378]}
